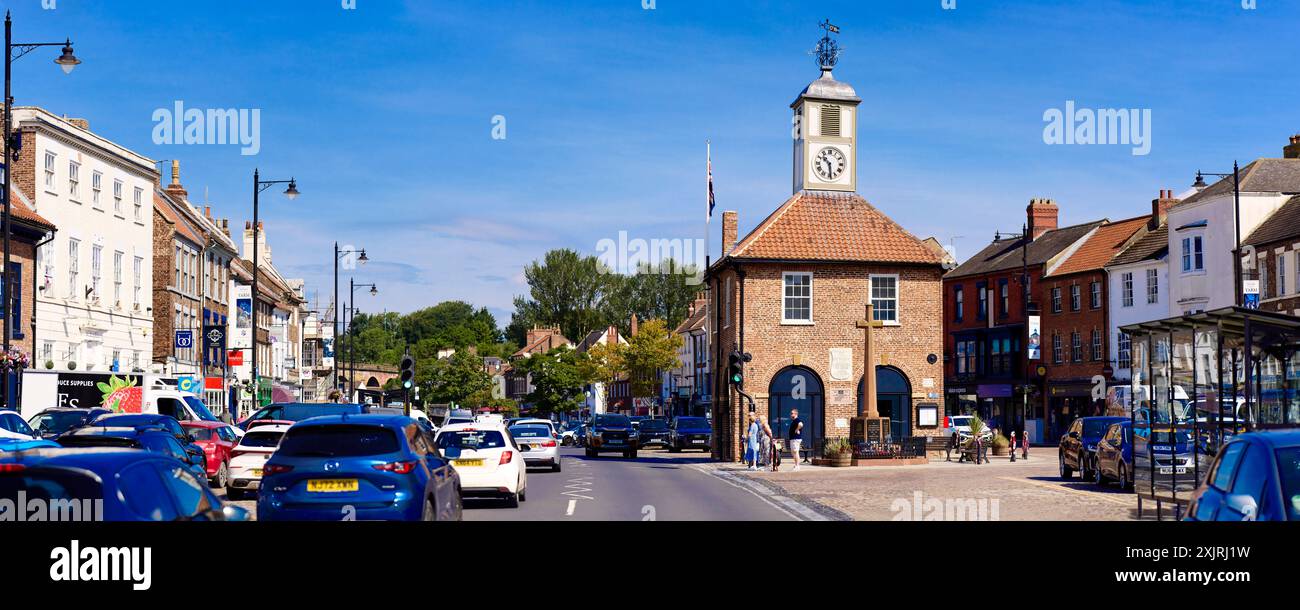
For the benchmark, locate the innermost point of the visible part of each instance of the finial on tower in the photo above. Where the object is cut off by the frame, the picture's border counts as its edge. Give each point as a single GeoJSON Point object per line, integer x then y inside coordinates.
{"type": "Point", "coordinates": [828, 50]}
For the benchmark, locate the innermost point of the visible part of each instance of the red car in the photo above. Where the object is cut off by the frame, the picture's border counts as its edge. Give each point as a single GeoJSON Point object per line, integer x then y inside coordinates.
{"type": "Point", "coordinates": [217, 440]}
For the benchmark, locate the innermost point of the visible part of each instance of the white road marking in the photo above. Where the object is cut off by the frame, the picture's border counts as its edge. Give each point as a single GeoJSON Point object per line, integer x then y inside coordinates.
{"type": "Point", "coordinates": [572, 505]}
{"type": "Point", "coordinates": [791, 507]}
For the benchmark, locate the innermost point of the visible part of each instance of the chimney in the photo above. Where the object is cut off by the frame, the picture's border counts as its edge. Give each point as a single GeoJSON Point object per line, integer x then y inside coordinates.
{"type": "Point", "coordinates": [207, 212]}
{"type": "Point", "coordinates": [81, 124]}
{"type": "Point", "coordinates": [1292, 151]}
{"type": "Point", "coordinates": [730, 229]}
{"type": "Point", "coordinates": [1043, 216]}
{"type": "Point", "coordinates": [634, 325]}
{"type": "Point", "coordinates": [1160, 208]}
{"type": "Point", "coordinates": [175, 189]}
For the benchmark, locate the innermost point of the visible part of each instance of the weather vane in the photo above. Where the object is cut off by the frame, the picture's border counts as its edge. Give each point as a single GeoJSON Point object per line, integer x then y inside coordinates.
{"type": "Point", "coordinates": [828, 51]}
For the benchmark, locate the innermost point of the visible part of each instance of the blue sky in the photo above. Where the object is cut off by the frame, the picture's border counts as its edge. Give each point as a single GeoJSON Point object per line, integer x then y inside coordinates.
{"type": "Point", "coordinates": [384, 114]}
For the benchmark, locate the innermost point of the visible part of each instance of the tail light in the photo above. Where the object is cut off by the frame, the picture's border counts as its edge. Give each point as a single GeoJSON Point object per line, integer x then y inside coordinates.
{"type": "Point", "coordinates": [275, 469]}
{"type": "Point", "coordinates": [234, 453]}
{"type": "Point", "coordinates": [548, 444]}
{"type": "Point", "coordinates": [506, 456]}
{"type": "Point", "coordinates": [396, 467]}
{"type": "Point", "coordinates": [12, 467]}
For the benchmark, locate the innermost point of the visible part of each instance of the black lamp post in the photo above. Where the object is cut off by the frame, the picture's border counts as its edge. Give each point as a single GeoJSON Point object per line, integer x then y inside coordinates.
{"type": "Point", "coordinates": [260, 185]}
{"type": "Point", "coordinates": [14, 51]}
{"type": "Point", "coordinates": [1236, 202]}
{"type": "Point", "coordinates": [352, 298]}
{"type": "Point", "coordinates": [338, 255]}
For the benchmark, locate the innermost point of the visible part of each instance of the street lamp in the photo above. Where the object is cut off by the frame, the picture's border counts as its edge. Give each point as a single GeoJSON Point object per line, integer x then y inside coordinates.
{"type": "Point", "coordinates": [291, 193]}
{"type": "Point", "coordinates": [12, 53]}
{"type": "Point", "coordinates": [338, 255]}
{"type": "Point", "coordinates": [352, 298]}
{"type": "Point", "coordinates": [1236, 202]}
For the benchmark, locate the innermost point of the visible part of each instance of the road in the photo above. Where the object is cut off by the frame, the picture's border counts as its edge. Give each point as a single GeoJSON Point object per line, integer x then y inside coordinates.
{"type": "Point", "coordinates": [658, 486]}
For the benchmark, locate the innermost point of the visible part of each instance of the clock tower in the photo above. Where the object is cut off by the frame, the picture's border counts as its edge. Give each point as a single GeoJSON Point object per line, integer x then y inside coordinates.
{"type": "Point", "coordinates": [825, 127]}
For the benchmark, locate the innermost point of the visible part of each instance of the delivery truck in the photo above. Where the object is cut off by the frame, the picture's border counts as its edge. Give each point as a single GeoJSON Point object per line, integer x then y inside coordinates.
{"type": "Point", "coordinates": [117, 392]}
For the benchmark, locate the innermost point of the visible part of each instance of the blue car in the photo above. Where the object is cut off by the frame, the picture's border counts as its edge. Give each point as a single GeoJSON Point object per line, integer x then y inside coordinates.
{"type": "Point", "coordinates": [690, 433]}
{"type": "Point", "coordinates": [1078, 446]}
{"type": "Point", "coordinates": [50, 423]}
{"type": "Point", "coordinates": [148, 438]}
{"type": "Point", "coordinates": [296, 412]}
{"type": "Point", "coordinates": [359, 467]}
{"type": "Point", "coordinates": [1256, 477]}
{"type": "Point", "coordinates": [132, 485]}
{"type": "Point", "coordinates": [1114, 461]}
{"type": "Point", "coordinates": [164, 422]}
{"type": "Point", "coordinates": [13, 444]}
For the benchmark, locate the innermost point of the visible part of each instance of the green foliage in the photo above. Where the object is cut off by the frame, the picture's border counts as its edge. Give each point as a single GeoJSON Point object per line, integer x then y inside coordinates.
{"type": "Point", "coordinates": [557, 378]}
{"type": "Point", "coordinates": [836, 446]}
{"type": "Point", "coordinates": [457, 378]}
{"type": "Point", "coordinates": [603, 363]}
{"type": "Point", "coordinates": [652, 349]}
{"type": "Point", "coordinates": [383, 338]}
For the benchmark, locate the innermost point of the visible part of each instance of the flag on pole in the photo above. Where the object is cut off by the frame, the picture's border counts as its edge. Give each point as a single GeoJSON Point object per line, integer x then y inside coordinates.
{"type": "Point", "coordinates": [709, 216]}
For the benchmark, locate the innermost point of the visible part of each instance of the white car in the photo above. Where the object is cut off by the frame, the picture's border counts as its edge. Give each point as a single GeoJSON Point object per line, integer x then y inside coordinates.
{"type": "Point", "coordinates": [487, 458]}
{"type": "Point", "coordinates": [13, 426]}
{"type": "Point", "coordinates": [248, 457]}
{"type": "Point", "coordinates": [536, 421]}
{"type": "Point", "coordinates": [961, 425]}
{"type": "Point", "coordinates": [538, 443]}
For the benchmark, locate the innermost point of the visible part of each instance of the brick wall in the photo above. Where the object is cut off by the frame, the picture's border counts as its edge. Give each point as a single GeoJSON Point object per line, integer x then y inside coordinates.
{"type": "Point", "coordinates": [1066, 322]}
{"type": "Point", "coordinates": [24, 253]}
{"type": "Point", "coordinates": [164, 301]}
{"type": "Point", "coordinates": [840, 293]}
{"type": "Point", "coordinates": [1288, 303]}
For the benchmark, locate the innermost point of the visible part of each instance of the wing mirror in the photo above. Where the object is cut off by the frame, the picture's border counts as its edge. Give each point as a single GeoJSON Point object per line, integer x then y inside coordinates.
{"type": "Point", "coordinates": [1244, 505]}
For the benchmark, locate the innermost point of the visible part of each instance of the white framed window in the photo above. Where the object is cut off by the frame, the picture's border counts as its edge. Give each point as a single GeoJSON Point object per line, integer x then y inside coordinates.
{"type": "Point", "coordinates": [1076, 299]}
{"type": "Point", "coordinates": [117, 277]}
{"type": "Point", "coordinates": [1281, 274]}
{"type": "Point", "coordinates": [884, 298]}
{"type": "Point", "coordinates": [96, 266]}
{"type": "Point", "coordinates": [1126, 290]}
{"type": "Point", "coordinates": [726, 304]}
{"type": "Point", "coordinates": [1056, 299]}
{"type": "Point", "coordinates": [49, 171]}
{"type": "Point", "coordinates": [177, 283]}
{"type": "Point", "coordinates": [117, 196]}
{"type": "Point", "coordinates": [796, 305]}
{"type": "Point", "coordinates": [46, 255]}
{"type": "Point", "coordinates": [74, 180]}
{"type": "Point", "coordinates": [1096, 345]}
{"type": "Point", "coordinates": [1095, 295]}
{"type": "Point", "coordinates": [1124, 347]}
{"type": "Point", "coordinates": [74, 268]}
{"type": "Point", "coordinates": [96, 188]}
{"type": "Point", "coordinates": [1057, 354]}
{"type": "Point", "coordinates": [1153, 286]}
{"type": "Point", "coordinates": [1076, 346]}
{"type": "Point", "coordinates": [139, 204]}
{"type": "Point", "coordinates": [47, 351]}
{"type": "Point", "coordinates": [1193, 254]}
{"type": "Point", "coordinates": [138, 273]}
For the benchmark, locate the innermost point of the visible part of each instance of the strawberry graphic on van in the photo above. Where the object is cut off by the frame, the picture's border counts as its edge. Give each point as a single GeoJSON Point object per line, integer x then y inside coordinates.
{"type": "Point", "coordinates": [121, 395]}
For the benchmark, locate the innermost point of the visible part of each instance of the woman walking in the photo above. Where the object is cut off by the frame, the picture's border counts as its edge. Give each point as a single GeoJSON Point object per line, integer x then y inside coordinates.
{"type": "Point", "coordinates": [753, 442]}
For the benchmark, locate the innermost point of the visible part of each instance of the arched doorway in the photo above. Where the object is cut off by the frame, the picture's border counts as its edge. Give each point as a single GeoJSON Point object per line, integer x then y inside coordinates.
{"type": "Point", "coordinates": [893, 400]}
{"type": "Point", "coordinates": [373, 383]}
{"type": "Point", "coordinates": [797, 387]}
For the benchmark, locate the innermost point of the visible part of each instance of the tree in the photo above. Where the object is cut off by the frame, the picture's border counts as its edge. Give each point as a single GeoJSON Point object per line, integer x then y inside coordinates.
{"type": "Point", "coordinates": [603, 363]}
{"type": "Point", "coordinates": [651, 350]}
{"type": "Point", "coordinates": [565, 289]}
{"type": "Point", "coordinates": [557, 379]}
{"type": "Point", "coordinates": [662, 292]}
{"type": "Point", "coordinates": [457, 378]}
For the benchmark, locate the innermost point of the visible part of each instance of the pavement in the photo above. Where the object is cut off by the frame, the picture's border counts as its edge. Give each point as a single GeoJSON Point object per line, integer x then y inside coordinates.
{"type": "Point", "coordinates": [997, 491]}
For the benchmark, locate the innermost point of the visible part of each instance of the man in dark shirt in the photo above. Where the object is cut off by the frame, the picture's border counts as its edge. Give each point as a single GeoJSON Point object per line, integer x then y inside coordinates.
{"type": "Point", "coordinates": [796, 436]}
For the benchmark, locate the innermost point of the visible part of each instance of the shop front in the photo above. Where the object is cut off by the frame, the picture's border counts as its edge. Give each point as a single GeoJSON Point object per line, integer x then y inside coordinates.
{"type": "Point", "coordinates": [1068, 400]}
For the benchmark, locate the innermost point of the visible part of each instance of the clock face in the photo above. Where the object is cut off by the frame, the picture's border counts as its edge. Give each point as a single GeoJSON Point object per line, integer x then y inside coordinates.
{"type": "Point", "coordinates": [829, 163]}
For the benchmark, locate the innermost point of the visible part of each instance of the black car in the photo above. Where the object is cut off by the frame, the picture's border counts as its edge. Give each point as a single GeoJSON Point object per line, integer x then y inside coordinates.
{"type": "Point", "coordinates": [690, 433]}
{"type": "Point", "coordinates": [652, 432]}
{"type": "Point", "coordinates": [50, 423]}
{"type": "Point", "coordinates": [610, 432]}
{"type": "Point", "coordinates": [145, 420]}
{"type": "Point", "coordinates": [1077, 450]}
{"type": "Point", "coordinates": [148, 438]}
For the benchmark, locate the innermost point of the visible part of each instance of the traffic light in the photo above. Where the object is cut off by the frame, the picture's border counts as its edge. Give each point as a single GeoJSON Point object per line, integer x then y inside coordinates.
{"type": "Point", "coordinates": [408, 372]}
{"type": "Point", "coordinates": [737, 367]}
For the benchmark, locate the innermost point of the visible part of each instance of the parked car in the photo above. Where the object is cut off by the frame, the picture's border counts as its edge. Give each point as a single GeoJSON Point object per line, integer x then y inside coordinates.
{"type": "Point", "coordinates": [217, 440]}
{"type": "Point", "coordinates": [249, 457]}
{"type": "Point", "coordinates": [1167, 453]}
{"type": "Point", "coordinates": [537, 444]}
{"type": "Point", "coordinates": [652, 432]}
{"type": "Point", "coordinates": [133, 485]}
{"type": "Point", "coordinates": [13, 444]}
{"type": "Point", "coordinates": [1256, 477]}
{"type": "Point", "coordinates": [13, 426]}
{"type": "Point", "coordinates": [1114, 460]}
{"type": "Point", "coordinates": [488, 461]}
{"type": "Point", "coordinates": [690, 433]}
{"type": "Point", "coordinates": [569, 436]}
{"type": "Point", "coordinates": [363, 467]}
{"type": "Point", "coordinates": [148, 438]}
{"type": "Point", "coordinates": [960, 424]}
{"type": "Point", "coordinates": [165, 422]}
{"type": "Point", "coordinates": [1078, 446]}
{"type": "Point", "coordinates": [296, 412]}
{"type": "Point", "coordinates": [50, 423]}
{"type": "Point", "coordinates": [611, 432]}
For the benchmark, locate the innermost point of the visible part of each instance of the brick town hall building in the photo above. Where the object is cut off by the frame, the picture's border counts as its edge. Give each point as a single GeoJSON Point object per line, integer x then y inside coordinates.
{"type": "Point", "coordinates": [793, 292]}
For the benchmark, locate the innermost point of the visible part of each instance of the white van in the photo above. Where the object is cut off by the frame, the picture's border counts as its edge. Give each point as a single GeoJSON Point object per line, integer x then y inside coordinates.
{"type": "Point", "coordinates": [1120, 400]}
{"type": "Point", "coordinates": [118, 392]}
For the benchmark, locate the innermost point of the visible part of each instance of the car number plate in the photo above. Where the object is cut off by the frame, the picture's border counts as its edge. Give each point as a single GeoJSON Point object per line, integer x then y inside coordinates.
{"type": "Point", "coordinates": [332, 485]}
{"type": "Point", "coordinates": [1169, 470]}
{"type": "Point", "coordinates": [699, 441]}
{"type": "Point", "coordinates": [468, 462]}
{"type": "Point", "coordinates": [257, 472]}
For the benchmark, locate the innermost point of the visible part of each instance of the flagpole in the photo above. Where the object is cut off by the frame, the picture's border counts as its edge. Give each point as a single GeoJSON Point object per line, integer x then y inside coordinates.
{"type": "Point", "coordinates": [708, 315]}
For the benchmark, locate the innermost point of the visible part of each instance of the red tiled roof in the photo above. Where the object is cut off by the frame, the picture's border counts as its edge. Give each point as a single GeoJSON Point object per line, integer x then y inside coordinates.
{"type": "Point", "coordinates": [19, 207]}
{"type": "Point", "coordinates": [830, 226]}
{"type": "Point", "coordinates": [1103, 245]}
{"type": "Point", "coordinates": [164, 207]}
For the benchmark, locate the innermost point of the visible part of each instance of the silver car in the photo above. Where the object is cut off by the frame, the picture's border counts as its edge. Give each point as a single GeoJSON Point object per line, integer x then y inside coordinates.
{"type": "Point", "coordinates": [538, 445]}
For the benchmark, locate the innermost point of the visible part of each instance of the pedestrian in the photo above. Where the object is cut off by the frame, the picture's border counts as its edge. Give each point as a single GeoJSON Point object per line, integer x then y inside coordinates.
{"type": "Point", "coordinates": [753, 437]}
{"type": "Point", "coordinates": [766, 440]}
{"type": "Point", "coordinates": [795, 435]}
{"type": "Point", "coordinates": [1013, 446]}
{"type": "Point", "coordinates": [953, 443]}
{"type": "Point", "coordinates": [1024, 445]}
